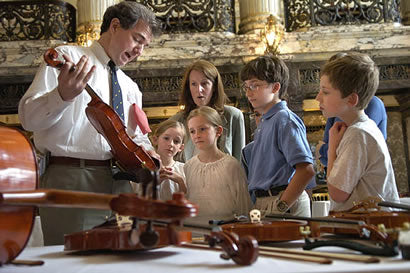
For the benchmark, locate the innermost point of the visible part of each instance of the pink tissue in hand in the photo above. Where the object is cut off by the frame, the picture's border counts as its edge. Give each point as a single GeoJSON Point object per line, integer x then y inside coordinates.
{"type": "Point", "coordinates": [141, 119]}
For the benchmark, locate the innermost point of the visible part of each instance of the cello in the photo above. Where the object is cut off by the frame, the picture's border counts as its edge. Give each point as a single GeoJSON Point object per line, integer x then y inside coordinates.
{"type": "Point", "coordinates": [19, 196]}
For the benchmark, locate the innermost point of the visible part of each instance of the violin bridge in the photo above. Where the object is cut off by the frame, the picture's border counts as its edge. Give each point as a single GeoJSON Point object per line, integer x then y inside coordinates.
{"type": "Point", "coordinates": [124, 223]}
{"type": "Point", "coordinates": [305, 231]}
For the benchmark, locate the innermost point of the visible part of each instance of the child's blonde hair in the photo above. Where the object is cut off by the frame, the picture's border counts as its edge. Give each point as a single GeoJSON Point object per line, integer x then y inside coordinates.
{"type": "Point", "coordinates": [165, 125]}
{"type": "Point", "coordinates": [211, 115]}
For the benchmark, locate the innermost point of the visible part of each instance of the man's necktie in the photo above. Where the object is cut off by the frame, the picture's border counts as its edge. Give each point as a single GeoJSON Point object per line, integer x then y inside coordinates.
{"type": "Point", "coordinates": [116, 91]}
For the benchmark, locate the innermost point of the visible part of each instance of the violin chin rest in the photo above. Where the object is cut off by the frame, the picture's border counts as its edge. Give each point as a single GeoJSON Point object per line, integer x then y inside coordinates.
{"type": "Point", "coordinates": [381, 250]}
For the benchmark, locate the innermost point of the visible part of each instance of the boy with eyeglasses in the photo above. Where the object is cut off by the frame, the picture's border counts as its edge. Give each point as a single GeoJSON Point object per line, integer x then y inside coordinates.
{"type": "Point", "coordinates": [280, 163]}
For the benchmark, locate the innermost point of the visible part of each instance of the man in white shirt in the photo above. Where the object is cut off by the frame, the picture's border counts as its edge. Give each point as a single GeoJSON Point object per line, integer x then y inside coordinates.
{"type": "Point", "coordinates": [54, 109]}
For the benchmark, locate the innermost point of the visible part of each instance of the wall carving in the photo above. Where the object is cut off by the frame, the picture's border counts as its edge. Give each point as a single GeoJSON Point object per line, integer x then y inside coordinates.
{"type": "Point", "coordinates": [10, 95]}
{"type": "Point", "coordinates": [37, 20]}
{"type": "Point", "coordinates": [194, 16]}
{"type": "Point", "coordinates": [165, 90]}
{"type": "Point", "coordinates": [394, 72]}
{"type": "Point", "coordinates": [395, 144]}
{"type": "Point", "coordinates": [387, 73]}
{"type": "Point", "coordinates": [306, 13]}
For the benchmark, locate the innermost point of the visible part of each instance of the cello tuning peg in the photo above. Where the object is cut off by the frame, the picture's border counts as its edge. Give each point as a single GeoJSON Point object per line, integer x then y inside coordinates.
{"type": "Point", "coordinates": [149, 239]}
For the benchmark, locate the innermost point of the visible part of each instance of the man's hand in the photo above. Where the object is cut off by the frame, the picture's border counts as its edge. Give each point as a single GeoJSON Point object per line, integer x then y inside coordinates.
{"type": "Point", "coordinates": [73, 78]}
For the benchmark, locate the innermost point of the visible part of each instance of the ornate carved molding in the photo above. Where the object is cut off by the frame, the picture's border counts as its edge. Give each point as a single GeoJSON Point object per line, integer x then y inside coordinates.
{"type": "Point", "coordinates": [165, 90]}
{"type": "Point", "coordinates": [387, 73]}
{"type": "Point", "coordinates": [37, 20]}
{"type": "Point", "coordinates": [194, 16]}
{"type": "Point", "coordinates": [10, 95]}
{"type": "Point", "coordinates": [306, 13]}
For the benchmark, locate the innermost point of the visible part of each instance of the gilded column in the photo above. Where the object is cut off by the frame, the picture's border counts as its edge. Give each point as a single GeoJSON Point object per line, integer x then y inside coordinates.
{"type": "Point", "coordinates": [254, 14]}
{"type": "Point", "coordinates": [90, 15]}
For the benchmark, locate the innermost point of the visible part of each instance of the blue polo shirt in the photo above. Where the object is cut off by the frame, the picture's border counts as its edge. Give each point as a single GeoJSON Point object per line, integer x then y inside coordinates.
{"type": "Point", "coordinates": [279, 144]}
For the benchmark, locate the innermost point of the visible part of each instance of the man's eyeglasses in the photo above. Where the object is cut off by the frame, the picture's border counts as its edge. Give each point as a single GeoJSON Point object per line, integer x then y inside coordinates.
{"type": "Point", "coordinates": [252, 87]}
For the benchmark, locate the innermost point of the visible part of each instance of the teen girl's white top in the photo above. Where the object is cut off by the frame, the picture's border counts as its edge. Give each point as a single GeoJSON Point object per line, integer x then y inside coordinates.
{"type": "Point", "coordinates": [219, 188]}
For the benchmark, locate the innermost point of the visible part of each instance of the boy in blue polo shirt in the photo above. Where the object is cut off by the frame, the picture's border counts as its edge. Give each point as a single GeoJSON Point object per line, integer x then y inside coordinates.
{"type": "Point", "coordinates": [280, 161]}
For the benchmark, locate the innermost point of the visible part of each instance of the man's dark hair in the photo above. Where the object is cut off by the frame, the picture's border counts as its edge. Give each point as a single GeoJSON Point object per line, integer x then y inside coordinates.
{"type": "Point", "coordinates": [129, 13]}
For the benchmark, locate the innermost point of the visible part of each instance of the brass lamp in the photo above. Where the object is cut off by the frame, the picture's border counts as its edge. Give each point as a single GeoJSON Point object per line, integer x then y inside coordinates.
{"type": "Point", "coordinates": [87, 34]}
{"type": "Point", "coordinates": [272, 35]}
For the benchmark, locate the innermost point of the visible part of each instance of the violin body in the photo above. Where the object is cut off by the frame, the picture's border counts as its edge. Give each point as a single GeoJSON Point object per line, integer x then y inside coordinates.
{"type": "Point", "coordinates": [378, 219]}
{"type": "Point", "coordinates": [18, 172]}
{"type": "Point", "coordinates": [113, 238]}
{"type": "Point", "coordinates": [128, 154]}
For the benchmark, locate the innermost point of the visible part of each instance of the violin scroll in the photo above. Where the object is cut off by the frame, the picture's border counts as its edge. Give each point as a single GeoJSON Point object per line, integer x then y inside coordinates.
{"type": "Point", "coordinates": [243, 251]}
{"type": "Point", "coordinates": [52, 58]}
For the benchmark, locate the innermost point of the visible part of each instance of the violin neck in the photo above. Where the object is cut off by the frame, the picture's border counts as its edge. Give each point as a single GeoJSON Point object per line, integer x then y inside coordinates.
{"type": "Point", "coordinates": [324, 220]}
{"type": "Point", "coordinates": [394, 205]}
{"type": "Point", "coordinates": [199, 229]}
{"type": "Point", "coordinates": [91, 92]}
{"type": "Point", "coordinates": [57, 198]}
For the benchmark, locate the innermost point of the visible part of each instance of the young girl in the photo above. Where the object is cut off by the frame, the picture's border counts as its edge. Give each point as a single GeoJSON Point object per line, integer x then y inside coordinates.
{"type": "Point", "coordinates": [168, 140]}
{"type": "Point", "coordinates": [215, 180]}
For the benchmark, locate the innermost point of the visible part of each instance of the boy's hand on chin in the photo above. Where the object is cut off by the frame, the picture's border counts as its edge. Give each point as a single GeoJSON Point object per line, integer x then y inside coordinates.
{"type": "Point", "coordinates": [336, 133]}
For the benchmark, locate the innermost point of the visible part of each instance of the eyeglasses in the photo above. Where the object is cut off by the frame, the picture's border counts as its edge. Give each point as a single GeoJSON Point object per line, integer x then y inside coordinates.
{"type": "Point", "coordinates": [252, 87]}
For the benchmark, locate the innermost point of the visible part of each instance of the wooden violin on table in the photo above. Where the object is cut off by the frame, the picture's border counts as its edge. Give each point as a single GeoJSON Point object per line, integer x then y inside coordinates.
{"type": "Point", "coordinates": [370, 211]}
{"type": "Point", "coordinates": [19, 197]}
{"type": "Point", "coordinates": [279, 228]}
